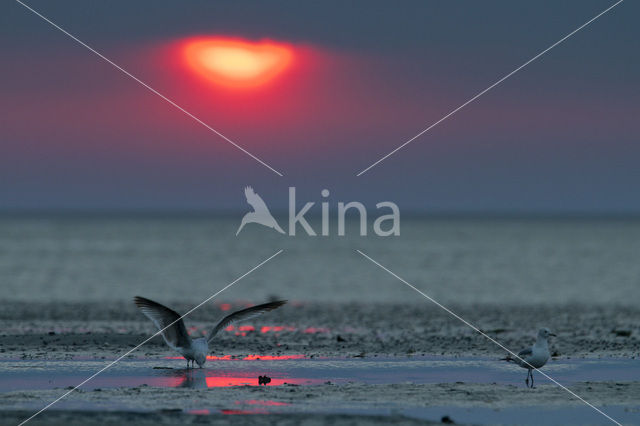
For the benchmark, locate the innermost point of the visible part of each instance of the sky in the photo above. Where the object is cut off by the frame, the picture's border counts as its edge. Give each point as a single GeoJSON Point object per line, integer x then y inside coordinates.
{"type": "Point", "coordinates": [559, 136]}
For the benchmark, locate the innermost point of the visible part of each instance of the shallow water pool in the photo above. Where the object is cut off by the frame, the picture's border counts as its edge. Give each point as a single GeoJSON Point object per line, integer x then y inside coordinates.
{"type": "Point", "coordinates": [296, 369]}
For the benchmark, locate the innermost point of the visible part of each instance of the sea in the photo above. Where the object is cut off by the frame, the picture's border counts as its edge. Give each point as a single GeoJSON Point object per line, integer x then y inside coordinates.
{"type": "Point", "coordinates": [454, 260]}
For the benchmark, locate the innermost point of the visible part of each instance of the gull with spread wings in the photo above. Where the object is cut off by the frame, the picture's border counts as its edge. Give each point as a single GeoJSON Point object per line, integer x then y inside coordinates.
{"type": "Point", "coordinates": [174, 333]}
{"type": "Point", "coordinates": [260, 213]}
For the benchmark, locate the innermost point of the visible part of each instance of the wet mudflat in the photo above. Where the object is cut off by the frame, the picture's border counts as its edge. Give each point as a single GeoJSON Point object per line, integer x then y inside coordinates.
{"type": "Point", "coordinates": [476, 390]}
{"type": "Point", "coordinates": [358, 363]}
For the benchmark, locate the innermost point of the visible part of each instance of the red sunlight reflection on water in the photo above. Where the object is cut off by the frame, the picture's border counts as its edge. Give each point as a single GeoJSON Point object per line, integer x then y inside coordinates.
{"type": "Point", "coordinates": [244, 329]}
{"type": "Point", "coordinates": [273, 357]}
{"type": "Point", "coordinates": [252, 357]}
{"type": "Point", "coordinates": [202, 379]}
{"type": "Point", "coordinates": [224, 381]}
{"type": "Point", "coordinates": [275, 328]}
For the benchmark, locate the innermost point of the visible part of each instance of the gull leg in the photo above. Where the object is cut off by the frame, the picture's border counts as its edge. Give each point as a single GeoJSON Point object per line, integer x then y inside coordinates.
{"type": "Point", "coordinates": [527, 379]}
{"type": "Point", "coordinates": [529, 375]}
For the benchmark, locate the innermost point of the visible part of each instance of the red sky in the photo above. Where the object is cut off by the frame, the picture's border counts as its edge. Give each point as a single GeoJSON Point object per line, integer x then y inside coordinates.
{"type": "Point", "coordinates": [564, 127]}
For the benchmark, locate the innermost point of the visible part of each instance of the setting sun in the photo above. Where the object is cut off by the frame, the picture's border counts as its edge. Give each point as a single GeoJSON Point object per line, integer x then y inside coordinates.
{"type": "Point", "coordinates": [236, 63]}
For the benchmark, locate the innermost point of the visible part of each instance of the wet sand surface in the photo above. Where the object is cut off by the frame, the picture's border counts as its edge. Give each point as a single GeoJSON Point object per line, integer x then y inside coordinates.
{"type": "Point", "coordinates": [595, 354]}
{"type": "Point", "coordinates": [485, 402]}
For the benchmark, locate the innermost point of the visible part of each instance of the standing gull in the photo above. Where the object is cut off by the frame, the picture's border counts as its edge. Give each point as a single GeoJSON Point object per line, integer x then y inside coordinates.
{"type": "Point", "coordinates": [176, 336]}
{"type": "Point", "coordinates": [534, 357]}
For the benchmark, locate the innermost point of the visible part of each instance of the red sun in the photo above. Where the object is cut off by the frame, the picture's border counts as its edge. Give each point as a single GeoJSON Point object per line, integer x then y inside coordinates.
{"type": "Point", "coordinates": [236, 63]}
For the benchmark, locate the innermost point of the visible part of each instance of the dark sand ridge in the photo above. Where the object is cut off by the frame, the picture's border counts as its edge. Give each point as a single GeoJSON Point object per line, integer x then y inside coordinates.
{"type": "Point", "coordinates": [96, 330]}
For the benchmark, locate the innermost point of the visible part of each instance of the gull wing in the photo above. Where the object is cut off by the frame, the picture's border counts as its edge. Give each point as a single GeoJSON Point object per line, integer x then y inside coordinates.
{"type": "Point", "coordinates": [245, 314]}
{"type": "Point", "coordinates": [175, 334]}
{"type": "Point", "coordinates": [255, 200]}
{"type": "Point", "coordinates": [525, 352]}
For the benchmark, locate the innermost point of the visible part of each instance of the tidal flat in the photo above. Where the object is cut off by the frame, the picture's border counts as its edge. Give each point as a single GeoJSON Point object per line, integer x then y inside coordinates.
{"type": "Point", "coordinates": [344, 363]}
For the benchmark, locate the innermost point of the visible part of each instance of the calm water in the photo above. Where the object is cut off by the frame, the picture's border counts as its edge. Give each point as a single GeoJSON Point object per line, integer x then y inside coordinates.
{"type": "Point", "coordinates": [189, 258]}
{"type": "Point", "coordinates": [171, 372]}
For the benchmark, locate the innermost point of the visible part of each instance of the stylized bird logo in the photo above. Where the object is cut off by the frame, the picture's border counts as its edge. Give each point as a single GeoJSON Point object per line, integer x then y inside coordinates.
{"type": "Point", "coordinates": [260, 213]}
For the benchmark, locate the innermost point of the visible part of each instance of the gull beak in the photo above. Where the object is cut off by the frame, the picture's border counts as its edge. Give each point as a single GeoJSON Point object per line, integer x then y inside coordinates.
{"type": "Point", "coordinates": [553, 334]}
